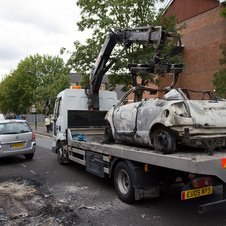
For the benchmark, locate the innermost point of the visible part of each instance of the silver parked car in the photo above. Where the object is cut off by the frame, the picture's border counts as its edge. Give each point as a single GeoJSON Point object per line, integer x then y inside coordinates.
{"type": "Point", "coordinates": [170, 122]}
{"type": "Point", "coordinates": [16, 138]}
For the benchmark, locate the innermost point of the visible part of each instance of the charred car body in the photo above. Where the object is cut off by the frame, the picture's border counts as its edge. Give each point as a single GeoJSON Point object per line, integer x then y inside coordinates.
{"type": "Point", "coordinates": [169, 122]}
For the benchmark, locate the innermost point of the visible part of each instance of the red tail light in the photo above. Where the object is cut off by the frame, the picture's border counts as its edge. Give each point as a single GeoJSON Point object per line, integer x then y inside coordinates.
{"type": "Point", "coordinates": [33, 136]}
{"type": "Point", "coordinates": [201, 182]}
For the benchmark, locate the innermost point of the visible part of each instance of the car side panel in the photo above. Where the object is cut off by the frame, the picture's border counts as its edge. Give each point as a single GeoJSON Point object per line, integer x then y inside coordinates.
{"type": "Point", "coordinates": [124, 119]}
{"type": "Point", "coordinates": [208, 114]}
{"type": "Point", "coordinates": [147, 113]}
{"type": "Point", "coordinates": [132, 122]}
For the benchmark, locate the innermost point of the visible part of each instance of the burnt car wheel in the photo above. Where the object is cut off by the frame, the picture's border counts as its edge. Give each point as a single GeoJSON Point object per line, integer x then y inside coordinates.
{"type": "Point", "coordinates": [108, 135]}
{"type": "Point", "coordinates": [164, 141]}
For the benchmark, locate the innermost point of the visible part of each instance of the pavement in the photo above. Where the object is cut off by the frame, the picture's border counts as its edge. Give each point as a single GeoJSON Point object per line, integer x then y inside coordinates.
{"type": "Point", "coordinates": [42, 130]}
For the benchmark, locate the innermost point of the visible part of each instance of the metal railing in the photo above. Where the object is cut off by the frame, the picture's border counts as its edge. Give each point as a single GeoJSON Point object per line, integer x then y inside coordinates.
{"type": "Point", "coordinates": [31, 119]}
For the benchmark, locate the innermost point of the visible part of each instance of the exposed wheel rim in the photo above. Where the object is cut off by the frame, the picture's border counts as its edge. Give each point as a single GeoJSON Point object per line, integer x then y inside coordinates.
{"type": "Point", "coordinates": [164, 142]}
{"type": "Point", "coordinates": [123, 182]}
{"type": "Point", "coordinates": [108, 135]}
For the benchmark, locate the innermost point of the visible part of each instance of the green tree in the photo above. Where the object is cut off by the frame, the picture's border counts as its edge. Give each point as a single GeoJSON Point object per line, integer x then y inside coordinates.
{"type": "Point", "coordinates": [18, 88]}
{"type": "Point", "coordinates": [105, 15]}
{"type": "Point", "coordinates": [223, 12]}
{"type": "Point", "coordinates": [220, 76]}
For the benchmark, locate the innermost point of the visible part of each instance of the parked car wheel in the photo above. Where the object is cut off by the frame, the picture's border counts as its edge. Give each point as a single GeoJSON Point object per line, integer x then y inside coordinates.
{"type": "Point", "coordinates": [29, 156]}
{"type": "Point", "coordinates": [164, 141]}
{"type": "Point", "coordinates": [108, 135]}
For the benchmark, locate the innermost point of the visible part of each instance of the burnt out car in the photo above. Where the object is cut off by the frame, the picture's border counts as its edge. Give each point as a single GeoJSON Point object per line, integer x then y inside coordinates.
{"type": "Point", "coordinates": [170, 122]}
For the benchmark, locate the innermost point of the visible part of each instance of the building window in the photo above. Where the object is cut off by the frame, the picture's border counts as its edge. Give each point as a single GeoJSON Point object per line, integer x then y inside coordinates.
{"type": "Point", "coordinates": [74, 84]}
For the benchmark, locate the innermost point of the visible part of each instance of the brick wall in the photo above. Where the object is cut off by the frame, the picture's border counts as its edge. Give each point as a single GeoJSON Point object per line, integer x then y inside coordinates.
{"type": "Point", "coordinates": [201, 54]}
{"type": "Point", "coordinates": [185, 9]}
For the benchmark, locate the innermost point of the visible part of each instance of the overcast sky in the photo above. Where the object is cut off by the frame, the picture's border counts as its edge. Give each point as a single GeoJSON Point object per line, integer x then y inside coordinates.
{"type": "Point", "coordinates": [28, 27]}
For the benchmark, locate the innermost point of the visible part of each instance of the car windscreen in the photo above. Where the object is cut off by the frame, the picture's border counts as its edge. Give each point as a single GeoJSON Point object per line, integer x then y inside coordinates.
{"type": "Point", "coordinates": [14, 128]}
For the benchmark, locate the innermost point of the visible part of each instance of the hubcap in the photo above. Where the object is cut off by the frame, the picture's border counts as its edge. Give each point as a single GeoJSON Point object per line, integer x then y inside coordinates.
{"type": "Point", "coordinates": [123, 182]}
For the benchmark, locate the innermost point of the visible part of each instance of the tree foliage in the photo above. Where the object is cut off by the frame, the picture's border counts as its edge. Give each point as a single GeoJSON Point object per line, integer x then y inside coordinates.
{"type": "Point", "coordinates": [17, 90]}
{"type": "Point", "coordinates": [104, 15]}
{"type": "Point", "coordinates": [220, 76]}
{"type": "Point", "coordinates": [223, 12]}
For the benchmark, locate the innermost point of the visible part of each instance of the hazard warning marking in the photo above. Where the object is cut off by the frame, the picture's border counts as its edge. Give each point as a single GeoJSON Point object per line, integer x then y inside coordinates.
{"type": "Point", "coordinates": [223, 161]}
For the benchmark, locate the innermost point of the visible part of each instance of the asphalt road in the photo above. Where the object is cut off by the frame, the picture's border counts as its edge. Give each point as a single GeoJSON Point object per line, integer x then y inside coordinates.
{"type": "Point", "coordinates": [94, 200]}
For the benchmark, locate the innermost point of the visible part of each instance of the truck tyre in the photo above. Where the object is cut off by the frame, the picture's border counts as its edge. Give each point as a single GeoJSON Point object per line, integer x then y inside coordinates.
{"type": "Point", "coordinates": [60, 155]}
{"type": "Point", "coordinates": [164, 141]}
{"type": "Point", "coordinates": [123, 182]}
{"type": "Point", "coordinates": [108, 135]}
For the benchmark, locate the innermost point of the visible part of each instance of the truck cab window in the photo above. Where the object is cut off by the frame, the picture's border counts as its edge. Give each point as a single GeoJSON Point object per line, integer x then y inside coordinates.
{"type": "Point", "coordinates": [57, 108]}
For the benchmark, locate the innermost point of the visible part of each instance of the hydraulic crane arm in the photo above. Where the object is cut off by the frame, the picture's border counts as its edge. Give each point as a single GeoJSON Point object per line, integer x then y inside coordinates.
{"type": "Point", "coordinates": [154, 35]}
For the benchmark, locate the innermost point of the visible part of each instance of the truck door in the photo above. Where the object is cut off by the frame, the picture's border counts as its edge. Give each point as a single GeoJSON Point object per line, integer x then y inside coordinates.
{"type": "Point", "coordinates": [56, 118]}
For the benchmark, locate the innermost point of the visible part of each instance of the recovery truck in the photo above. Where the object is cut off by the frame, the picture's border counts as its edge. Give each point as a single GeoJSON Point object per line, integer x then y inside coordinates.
{"type": "Point", "coordinates": [137, 171]}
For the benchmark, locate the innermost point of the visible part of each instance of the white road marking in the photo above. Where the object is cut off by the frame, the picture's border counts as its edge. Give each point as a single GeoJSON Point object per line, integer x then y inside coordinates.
{"type": "Point", "coordinates": [32, 171]}
{"type": "Point", "coordinates": [26, 167]}
{"type": "Point", "coordinates": [41, 135]}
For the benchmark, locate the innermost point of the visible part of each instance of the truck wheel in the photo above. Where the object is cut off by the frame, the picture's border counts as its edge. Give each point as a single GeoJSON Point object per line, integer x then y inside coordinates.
{"type": "Point", "coordinates": [60, 155]}
{"type": "Point", "coordinates": [108, 135]}
{"type": "Point", "coordinates": [123, 182]}
{"type": "Point", "coordinates": [164, 141]}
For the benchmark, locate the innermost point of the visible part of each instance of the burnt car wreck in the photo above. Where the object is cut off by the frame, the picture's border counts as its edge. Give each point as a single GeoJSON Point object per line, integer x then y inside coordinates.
{"type": "Point", "coordinates": [167, 123]}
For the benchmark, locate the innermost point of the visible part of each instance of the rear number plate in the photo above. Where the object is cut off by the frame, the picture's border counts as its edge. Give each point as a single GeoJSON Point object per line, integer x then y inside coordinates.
{"type": "Point", "coordinates": [196, 192]}
{"type": "Point", "coordinates": [19, 145]}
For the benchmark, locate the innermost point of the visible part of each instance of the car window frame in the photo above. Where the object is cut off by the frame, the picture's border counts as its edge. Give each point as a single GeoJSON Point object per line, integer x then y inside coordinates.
{"type": "Point", "coordinates": [11, 127]}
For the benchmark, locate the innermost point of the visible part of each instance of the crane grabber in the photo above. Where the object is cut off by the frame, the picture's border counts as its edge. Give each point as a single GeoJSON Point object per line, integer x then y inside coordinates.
{"type": "Point", "coordinates": [154, 35]}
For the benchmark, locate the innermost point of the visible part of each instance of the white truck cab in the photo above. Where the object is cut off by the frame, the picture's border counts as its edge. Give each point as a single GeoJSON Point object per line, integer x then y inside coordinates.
{"type": "Point", "coordinates": [71, 111]}
{"type": "Point", "coordinates": [2, 117]}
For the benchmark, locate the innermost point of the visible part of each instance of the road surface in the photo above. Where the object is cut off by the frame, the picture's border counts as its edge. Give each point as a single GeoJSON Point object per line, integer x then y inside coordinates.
{"type": "Point", "coordinates": [68, 195]}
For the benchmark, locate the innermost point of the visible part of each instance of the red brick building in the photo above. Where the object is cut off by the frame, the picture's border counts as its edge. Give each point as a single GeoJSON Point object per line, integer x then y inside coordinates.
{"type": "Point", "coordinates": [206, 30]}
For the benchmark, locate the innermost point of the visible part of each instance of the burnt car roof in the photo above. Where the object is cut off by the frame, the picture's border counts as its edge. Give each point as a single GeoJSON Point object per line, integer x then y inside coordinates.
{"type": "Point", "coordinates": [179, 93]}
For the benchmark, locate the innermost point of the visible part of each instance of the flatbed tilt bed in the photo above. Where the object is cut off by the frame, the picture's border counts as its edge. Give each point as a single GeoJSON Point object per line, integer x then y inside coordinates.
{"type": "Point", "coordinates": [145, 168]}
